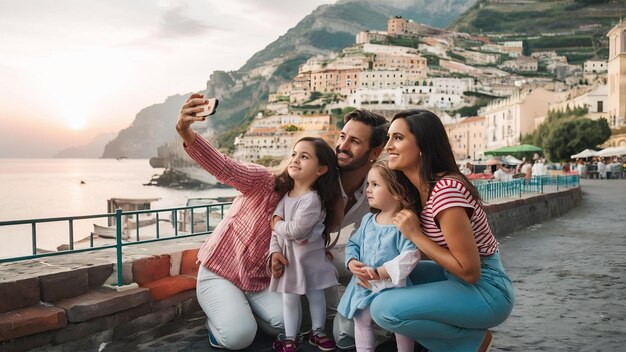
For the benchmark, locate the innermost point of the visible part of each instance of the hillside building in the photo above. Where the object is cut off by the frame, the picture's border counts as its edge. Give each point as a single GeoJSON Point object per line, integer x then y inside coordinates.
{"type": "Point", "coordinates": [341, 81]}
{"type": "Point", "coordinates": [521, 64]}
{"type": "Point", "coordinates": [270, 137]}
{"type": "Point", "coordinates": [366, 37]}
{"type": "Point", "coordinates": [617, 76]}
{"type": "Point", "coordinates": [593, 98]}
{"type": "Point", "coordinates": [595, 66]}
{"type": "Point", "coordinates": [400, 26]}
{"type": "Point", "coordinates": [477, 57]}
{"type": "Point", "coordinates": [507, 119]}
{"type": "Point", "coordinates": [467, 138]}
{"type": "Point", "coordinates": [431, 93]}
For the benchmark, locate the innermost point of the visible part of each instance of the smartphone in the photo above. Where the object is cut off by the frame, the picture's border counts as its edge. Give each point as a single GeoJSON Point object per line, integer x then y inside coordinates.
{"type": "Point", "coordinates": [209, 108]}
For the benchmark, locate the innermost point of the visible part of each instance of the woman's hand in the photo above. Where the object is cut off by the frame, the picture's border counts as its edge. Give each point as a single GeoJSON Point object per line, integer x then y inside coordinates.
{"type": "Point", "coordinates": [188, 116]}
{"type": "Point", "coordinates": [408, 223]}
{"type": "Point", "coordinates": [278, 264]}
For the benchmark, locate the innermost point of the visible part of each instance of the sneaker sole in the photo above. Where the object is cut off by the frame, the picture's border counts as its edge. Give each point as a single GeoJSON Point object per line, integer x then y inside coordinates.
{"type": "Point", "coordinates": [320, 347]}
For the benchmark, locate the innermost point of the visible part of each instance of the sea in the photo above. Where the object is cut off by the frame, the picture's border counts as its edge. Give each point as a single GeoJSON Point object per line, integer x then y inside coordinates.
{"type": "Point", "coordinates": [50, 188]}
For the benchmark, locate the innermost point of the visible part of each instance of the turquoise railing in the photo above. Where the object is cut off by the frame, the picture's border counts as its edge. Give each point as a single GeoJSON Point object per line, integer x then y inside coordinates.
{"type": "Point", "coordinates": [490, 190]}
{"type": "Point", "coordinates": [122, 217]}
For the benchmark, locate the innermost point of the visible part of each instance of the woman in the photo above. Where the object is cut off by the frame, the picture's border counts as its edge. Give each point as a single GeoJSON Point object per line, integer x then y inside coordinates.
{"type": "Point", "coordinates": [463, 290]}
{"type": "Point", "coordinates": [232, 284]}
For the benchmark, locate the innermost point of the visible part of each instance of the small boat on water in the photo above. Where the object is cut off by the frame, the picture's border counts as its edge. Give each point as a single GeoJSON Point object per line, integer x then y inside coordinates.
{"type": "Point", "coordinates": [108, 232]}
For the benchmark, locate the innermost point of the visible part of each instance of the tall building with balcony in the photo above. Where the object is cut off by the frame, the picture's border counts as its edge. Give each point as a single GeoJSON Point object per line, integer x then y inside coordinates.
{"type": "Point", "coordinates": [506, 120]}
{"type": "Point", "coordinates": [617, 75]}
{"type": "Point", "coordinates": [467, 138]}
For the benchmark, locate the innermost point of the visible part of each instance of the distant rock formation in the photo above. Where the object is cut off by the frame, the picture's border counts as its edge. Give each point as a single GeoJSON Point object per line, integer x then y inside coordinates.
{"type": "Point", "coordinates": [152, 126]}
{"type": "Point", "coordinates": [90, 150]}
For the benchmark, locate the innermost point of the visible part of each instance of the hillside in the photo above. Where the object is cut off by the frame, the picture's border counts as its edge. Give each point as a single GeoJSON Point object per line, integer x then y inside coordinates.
{"type": "Point", "coordinates": [574, 28]}
{"type": "Point", "coordinates": [242, 92]}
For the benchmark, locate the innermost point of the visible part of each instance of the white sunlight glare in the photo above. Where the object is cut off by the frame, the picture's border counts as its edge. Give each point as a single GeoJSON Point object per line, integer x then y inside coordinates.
{"type": "Point", "coordinates": [75, 84]}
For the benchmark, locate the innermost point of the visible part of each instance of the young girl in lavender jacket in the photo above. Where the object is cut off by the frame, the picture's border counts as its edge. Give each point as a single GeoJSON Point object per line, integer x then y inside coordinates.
{"type": "Point", "coordinates": [300, 225]}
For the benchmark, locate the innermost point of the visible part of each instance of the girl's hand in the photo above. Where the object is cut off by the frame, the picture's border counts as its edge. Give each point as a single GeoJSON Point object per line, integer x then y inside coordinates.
{"type": "Point", "coordinates": [407, 222]}
{"type": "Point", "coordinates": [275, 219]}
{"type": "Point", "coordinates": [188, 116]}
{"type": "Point", "coordinates": [357, 269]}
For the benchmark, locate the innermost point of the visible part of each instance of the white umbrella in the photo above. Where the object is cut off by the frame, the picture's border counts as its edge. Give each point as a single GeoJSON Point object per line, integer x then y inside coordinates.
{"type": "Point", "coordinates": [612, 151]}
{"type": "Point", "coordinates": [511, 160]}
{"type": "Point", "coordinates": [585, 154]}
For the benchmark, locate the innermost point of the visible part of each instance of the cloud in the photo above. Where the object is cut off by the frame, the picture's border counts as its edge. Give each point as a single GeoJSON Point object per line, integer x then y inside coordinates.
{"type": "Point", "coordinates": [176, 23]}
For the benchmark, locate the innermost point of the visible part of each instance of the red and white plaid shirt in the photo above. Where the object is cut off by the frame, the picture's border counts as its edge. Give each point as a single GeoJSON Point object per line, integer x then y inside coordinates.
{"type": "Point", "coordinates": [237, 249]}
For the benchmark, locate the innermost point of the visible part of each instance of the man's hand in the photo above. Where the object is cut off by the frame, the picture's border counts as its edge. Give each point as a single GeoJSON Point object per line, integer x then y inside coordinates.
{"type": "Point", "coordinates": [278, 264]}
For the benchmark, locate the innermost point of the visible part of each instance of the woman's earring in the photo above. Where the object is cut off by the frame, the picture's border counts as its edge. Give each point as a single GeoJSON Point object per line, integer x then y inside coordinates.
{"type": "Point", "coordinates": [372, 160]}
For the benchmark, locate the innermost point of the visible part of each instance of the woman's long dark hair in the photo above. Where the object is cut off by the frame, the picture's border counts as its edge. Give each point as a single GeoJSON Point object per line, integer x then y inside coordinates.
{"type": "Point", "coordinates": [326, 186]}
{"type": "Point", "coordinates": [437, 157]}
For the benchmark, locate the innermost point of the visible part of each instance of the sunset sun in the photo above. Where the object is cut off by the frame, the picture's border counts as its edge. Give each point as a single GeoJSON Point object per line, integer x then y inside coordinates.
{"type": "Point", "coordinates": [76, 123]}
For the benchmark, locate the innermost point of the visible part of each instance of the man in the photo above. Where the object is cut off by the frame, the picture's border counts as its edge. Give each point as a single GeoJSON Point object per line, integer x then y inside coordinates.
{"type": "Point", "coordinates": [360, 143]}
{"type": "Point", "coordinates": [501, 175]}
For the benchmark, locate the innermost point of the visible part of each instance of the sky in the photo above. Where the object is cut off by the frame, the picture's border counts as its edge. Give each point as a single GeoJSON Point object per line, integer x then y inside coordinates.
{"type": "Point", "coordinates": [73, 69]}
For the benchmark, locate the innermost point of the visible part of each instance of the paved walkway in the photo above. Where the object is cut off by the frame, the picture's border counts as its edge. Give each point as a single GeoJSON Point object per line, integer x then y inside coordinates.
{"type": "Point", "coordinates": [570, 277]}
{"type": "Point", "coordinates": [569, 274]}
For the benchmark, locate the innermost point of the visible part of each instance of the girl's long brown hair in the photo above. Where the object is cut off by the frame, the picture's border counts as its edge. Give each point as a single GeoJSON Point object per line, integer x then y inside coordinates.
{"type": "Point", "coordinates": [326, 186]}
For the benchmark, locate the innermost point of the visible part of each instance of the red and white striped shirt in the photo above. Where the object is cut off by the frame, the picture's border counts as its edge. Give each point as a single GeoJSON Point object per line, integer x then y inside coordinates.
{"type": "Point", "coordinates": [237, 249]}
{"type": "Point", "coordinates": [449, 193]}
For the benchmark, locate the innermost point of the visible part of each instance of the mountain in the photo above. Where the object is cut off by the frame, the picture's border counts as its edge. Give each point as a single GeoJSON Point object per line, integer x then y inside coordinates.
{"type": "Point", "coordinates": [151, 127]}
{"type": "Point", "coordinates": [575, 28]}
{"type": "Point", "coordinates": [536, 17]}
{"type": "Point", "coordinates": [90, 150]}
{"type": "Point", "coordinates": [242, 92]}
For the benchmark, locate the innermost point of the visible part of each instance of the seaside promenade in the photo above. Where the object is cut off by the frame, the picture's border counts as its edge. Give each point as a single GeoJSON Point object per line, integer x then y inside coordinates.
{"type": "Point", "coordinates": [569, 275]}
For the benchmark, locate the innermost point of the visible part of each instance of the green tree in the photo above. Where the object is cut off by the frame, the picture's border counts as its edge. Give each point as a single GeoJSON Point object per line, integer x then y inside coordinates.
{"type": "Point", "coordinates": [525, 48]}
{"type": "Point", "coordinates": [570, 137]}
{"type": "Point", "coordinates": [291, 128]}
{"type": "Point", "coordinates": [339, 117]}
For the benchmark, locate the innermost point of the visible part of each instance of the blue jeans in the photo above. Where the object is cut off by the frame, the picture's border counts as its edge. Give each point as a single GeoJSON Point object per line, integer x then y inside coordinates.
{"type": "Point", "coordinates": [444, 313]}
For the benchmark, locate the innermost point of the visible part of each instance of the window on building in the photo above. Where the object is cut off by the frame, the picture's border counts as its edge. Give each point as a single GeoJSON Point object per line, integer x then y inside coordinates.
{"type": "Point", "coordinates": [600, 106]}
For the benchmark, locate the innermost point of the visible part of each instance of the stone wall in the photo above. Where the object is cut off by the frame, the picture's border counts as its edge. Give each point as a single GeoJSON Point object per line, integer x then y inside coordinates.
{"type": "Point", "coordinates": [513, 215]}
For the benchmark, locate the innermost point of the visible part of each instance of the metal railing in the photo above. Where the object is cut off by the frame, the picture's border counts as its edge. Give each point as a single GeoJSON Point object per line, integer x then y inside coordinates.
{"type": "Point", "coordinates": [180, 217]}
{"type": "Point", "coordinates": [490, 190]}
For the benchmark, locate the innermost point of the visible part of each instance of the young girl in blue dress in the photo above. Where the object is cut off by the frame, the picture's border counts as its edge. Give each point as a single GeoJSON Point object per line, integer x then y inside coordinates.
{"type": "Point", "coordinates": [301, 223]}
{"type": "Point", "coordinates": [378, 256]}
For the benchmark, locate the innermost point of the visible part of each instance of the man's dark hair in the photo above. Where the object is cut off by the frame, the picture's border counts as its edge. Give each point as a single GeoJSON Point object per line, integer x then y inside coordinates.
{"type": "Point", "coordinates": [379, 124]}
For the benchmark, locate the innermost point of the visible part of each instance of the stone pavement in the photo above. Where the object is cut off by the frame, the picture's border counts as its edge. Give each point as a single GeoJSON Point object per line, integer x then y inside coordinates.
{"type": "Point", "coordinates": [569, 275]}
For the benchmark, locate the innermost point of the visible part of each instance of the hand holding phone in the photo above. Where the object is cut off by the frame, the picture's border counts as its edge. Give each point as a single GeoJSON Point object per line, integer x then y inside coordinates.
{"type": "Point", "coordinates": [209, 108]}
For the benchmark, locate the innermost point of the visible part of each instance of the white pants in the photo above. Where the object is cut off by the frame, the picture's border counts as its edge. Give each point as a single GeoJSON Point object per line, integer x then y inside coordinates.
{"type": "Point", "coordinates": [233, 314]}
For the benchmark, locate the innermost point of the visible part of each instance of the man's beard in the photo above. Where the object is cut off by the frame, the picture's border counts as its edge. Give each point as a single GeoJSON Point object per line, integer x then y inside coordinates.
{"type": "Point", "coordinates": [355, 163]}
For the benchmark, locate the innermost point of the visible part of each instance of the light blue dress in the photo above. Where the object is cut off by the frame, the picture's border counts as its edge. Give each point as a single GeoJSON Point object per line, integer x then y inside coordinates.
{"type": "Point", "coordinates": [372, 244]}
